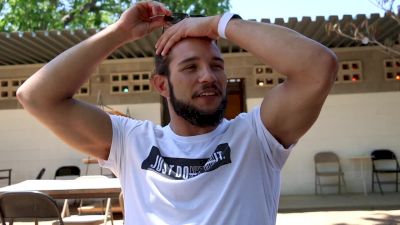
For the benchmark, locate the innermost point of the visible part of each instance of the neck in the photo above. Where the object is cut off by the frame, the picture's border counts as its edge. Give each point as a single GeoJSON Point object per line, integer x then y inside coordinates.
{"type": "Point", "coordinates": [182, 127]}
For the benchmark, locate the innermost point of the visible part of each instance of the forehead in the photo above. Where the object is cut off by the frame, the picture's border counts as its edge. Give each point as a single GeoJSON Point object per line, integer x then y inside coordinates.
{"type": "Point", "coordinates": [199, 48]}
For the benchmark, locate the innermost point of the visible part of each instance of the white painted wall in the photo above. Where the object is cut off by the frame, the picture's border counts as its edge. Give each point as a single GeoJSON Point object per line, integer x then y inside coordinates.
{"type": "Point", "coordinates": [350, 125]}
{"type": "Point", "coordinates": [27, 146]}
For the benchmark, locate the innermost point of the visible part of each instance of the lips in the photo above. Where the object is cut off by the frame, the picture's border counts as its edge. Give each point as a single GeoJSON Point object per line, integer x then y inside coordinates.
{"type": "Point", "coordinates": [207, 92]}
{"type": "Point", "coordinates": [210, 93]}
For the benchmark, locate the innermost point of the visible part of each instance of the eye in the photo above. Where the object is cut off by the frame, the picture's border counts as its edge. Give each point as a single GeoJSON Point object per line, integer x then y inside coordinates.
{"type": "Point", "coordinates": [190, 67]}
{"type": "Point", "coordinates": [217, 66]}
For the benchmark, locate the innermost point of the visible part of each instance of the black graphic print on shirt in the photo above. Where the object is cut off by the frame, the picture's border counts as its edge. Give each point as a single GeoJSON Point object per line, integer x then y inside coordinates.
{"type": "Point", "coordinates": [182, 169]}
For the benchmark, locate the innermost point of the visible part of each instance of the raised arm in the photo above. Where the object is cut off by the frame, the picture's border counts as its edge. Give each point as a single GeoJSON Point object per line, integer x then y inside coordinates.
{"type": "Point", "coordinates": [48, 94]}
{"type": "Point", "coordinates": [290, 108]}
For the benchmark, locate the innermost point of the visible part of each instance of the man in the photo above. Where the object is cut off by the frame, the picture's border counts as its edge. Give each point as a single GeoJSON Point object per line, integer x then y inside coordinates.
{"type": "Point", "coordinates": [199, 169]}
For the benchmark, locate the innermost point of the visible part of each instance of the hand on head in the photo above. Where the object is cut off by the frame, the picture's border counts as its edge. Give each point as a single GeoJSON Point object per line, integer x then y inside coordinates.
{"type": "Point", "coordinates": [142, 18]}
{"type": "Point", "coordinates": [188, 27]}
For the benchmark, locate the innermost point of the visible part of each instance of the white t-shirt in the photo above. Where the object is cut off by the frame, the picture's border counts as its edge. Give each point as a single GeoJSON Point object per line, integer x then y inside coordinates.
{"type": "Point", "coordinates": [228, 176]}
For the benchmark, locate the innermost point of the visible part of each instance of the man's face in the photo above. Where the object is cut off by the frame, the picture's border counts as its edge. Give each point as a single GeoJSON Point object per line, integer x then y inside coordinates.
{"type": "Point", "coordinates": [197, 82]}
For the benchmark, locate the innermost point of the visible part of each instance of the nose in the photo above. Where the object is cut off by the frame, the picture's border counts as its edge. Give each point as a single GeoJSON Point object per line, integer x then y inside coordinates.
{"type": "Point", "coordinates": [208, 76]}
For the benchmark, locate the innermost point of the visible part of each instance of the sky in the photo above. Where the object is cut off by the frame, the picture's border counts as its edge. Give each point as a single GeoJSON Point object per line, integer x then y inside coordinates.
{"type": "Point", "coordinates": [257, 9]}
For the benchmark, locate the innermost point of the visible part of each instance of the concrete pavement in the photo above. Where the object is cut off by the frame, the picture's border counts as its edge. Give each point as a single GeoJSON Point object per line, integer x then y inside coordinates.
{"type": "Point", "coordinates": [381, 217]}
{"type": "Point", "coordinates": [372, 201]}
{"type": "Point", "coordinates": [347, 209]}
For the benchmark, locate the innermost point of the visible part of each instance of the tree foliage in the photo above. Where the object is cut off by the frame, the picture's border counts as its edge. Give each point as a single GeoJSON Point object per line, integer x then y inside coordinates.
{"type": "Point", "coordinates": [204, 7]}
{"type": "Point", "coordinates": [34, 15]}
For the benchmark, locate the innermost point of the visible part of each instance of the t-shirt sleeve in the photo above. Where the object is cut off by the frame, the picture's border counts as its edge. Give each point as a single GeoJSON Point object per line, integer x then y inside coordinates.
{"type": "Point", "coordinates": [276, 153]}
{"type": "Point", "coordinates": [120, 125]}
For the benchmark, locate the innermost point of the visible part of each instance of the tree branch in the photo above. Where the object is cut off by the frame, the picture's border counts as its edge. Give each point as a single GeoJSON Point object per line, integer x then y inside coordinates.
{"type": "Point", "coordinates": [365, 33]}
{"type": "Point", "coordinates": [89, 7]}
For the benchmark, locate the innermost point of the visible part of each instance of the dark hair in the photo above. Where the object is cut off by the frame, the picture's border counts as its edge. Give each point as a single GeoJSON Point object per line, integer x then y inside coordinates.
{"type": "Point", "coordinates": [162, 65]}
{"type": "Point", "coordinates": [162, 62]}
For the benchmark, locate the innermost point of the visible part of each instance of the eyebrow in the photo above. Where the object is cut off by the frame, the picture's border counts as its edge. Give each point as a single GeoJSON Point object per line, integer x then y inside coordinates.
{"type": "Point", "coordinates": [194, 58]}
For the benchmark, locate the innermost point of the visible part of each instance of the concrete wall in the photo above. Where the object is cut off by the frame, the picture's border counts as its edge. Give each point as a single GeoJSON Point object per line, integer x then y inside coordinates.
{"type": "Point", "coordinates": [356, 118]}
{"type": "Point", "coordinates": [350, 125]}
{"type": "Point", "coordinates": [27, 146]}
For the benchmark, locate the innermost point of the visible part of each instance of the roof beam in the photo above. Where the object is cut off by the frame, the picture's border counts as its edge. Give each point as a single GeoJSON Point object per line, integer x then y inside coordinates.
{"type": "Point", "coordinates": [44, 52]}
{"type": "Point", "coordinates": [14, 38]}
{"type": "Point", "coordinates": [15, 51]}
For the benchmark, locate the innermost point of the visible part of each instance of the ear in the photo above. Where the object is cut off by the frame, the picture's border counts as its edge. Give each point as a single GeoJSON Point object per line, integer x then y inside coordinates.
{"type": "Point", "coordinates": [160, 83]}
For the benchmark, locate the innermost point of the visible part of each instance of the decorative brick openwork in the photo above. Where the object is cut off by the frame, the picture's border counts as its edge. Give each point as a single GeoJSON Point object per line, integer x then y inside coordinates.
{"type": "Point", "coordinates": [8, 87]}
{"type": "Point", "coordinates": [392, 69]}
{"type": "Point", "coordinates": [84, 90]}
{"type": "Point", "coordinates": [132, 82]}
{"type": "Point", "coordinates": [266, 76]}
{"type": "Point", "coordinates": [350, 72]}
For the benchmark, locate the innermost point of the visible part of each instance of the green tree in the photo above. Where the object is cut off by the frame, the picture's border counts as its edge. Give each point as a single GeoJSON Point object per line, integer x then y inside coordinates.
{"type": "Point", "coordinates": [205, 7]}
{"type": "Point", "coordinates": [34, 15]}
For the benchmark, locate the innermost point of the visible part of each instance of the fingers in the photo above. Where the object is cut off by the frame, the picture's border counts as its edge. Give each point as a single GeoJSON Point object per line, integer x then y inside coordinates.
{"type": "Point", "coordinates": [175, 33]}
{"type": "Point", "coordinates": [157, 9]}
{"type": "Point", "coordinates": [156, 21]}
{"type": "Point", "coordinates": [189, 27]}
{"type": "Point", "coordinates": [142, 18]}
{"type": "Point", "coordinates": [168, 40]}
{"type": "Point", "coordinates": [156, 12]}
{"type": "Point", "coordinates": [172, 35]}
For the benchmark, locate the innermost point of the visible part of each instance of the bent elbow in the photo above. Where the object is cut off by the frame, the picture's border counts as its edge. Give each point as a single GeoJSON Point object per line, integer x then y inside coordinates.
{"type": "Point", "coordinates": [26, 97]}
{"type": "Point", "coordinates": [328, 68]}
{"type": "Point", "coordinates": [332, 66]}
{"type": "Point", "coordinates": [22, 96]}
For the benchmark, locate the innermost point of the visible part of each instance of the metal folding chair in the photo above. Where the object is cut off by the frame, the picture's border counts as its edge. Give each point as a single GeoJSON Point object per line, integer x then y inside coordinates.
{"type": "Point", "coordinates": [67, 171]}
{"type": "Point", "coordinates": [327, 165]}
{"type": "Point", "coordinates": [40, 174]}
{"type": "Point", "coordinates": [37, 206]}
{"type": "Point", "coordinates": [384, 161]}
{"type": "Point", "coordinates": [28, 205]}
{"type": "Point", "coordinates": [5, 174]}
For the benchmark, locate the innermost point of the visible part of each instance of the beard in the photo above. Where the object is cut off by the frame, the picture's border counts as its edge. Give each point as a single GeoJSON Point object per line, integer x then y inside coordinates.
{"type": "Point", "coordinates": [194, 115]}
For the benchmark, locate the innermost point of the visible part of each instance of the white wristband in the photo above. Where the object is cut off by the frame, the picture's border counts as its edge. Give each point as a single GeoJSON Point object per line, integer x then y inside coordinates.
{"type": "Point", "coordinates": [223, 22]}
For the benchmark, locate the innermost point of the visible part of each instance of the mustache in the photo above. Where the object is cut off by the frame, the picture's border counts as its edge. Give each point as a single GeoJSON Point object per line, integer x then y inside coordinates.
{"type": "Point", "coordinates": [208, 88]}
